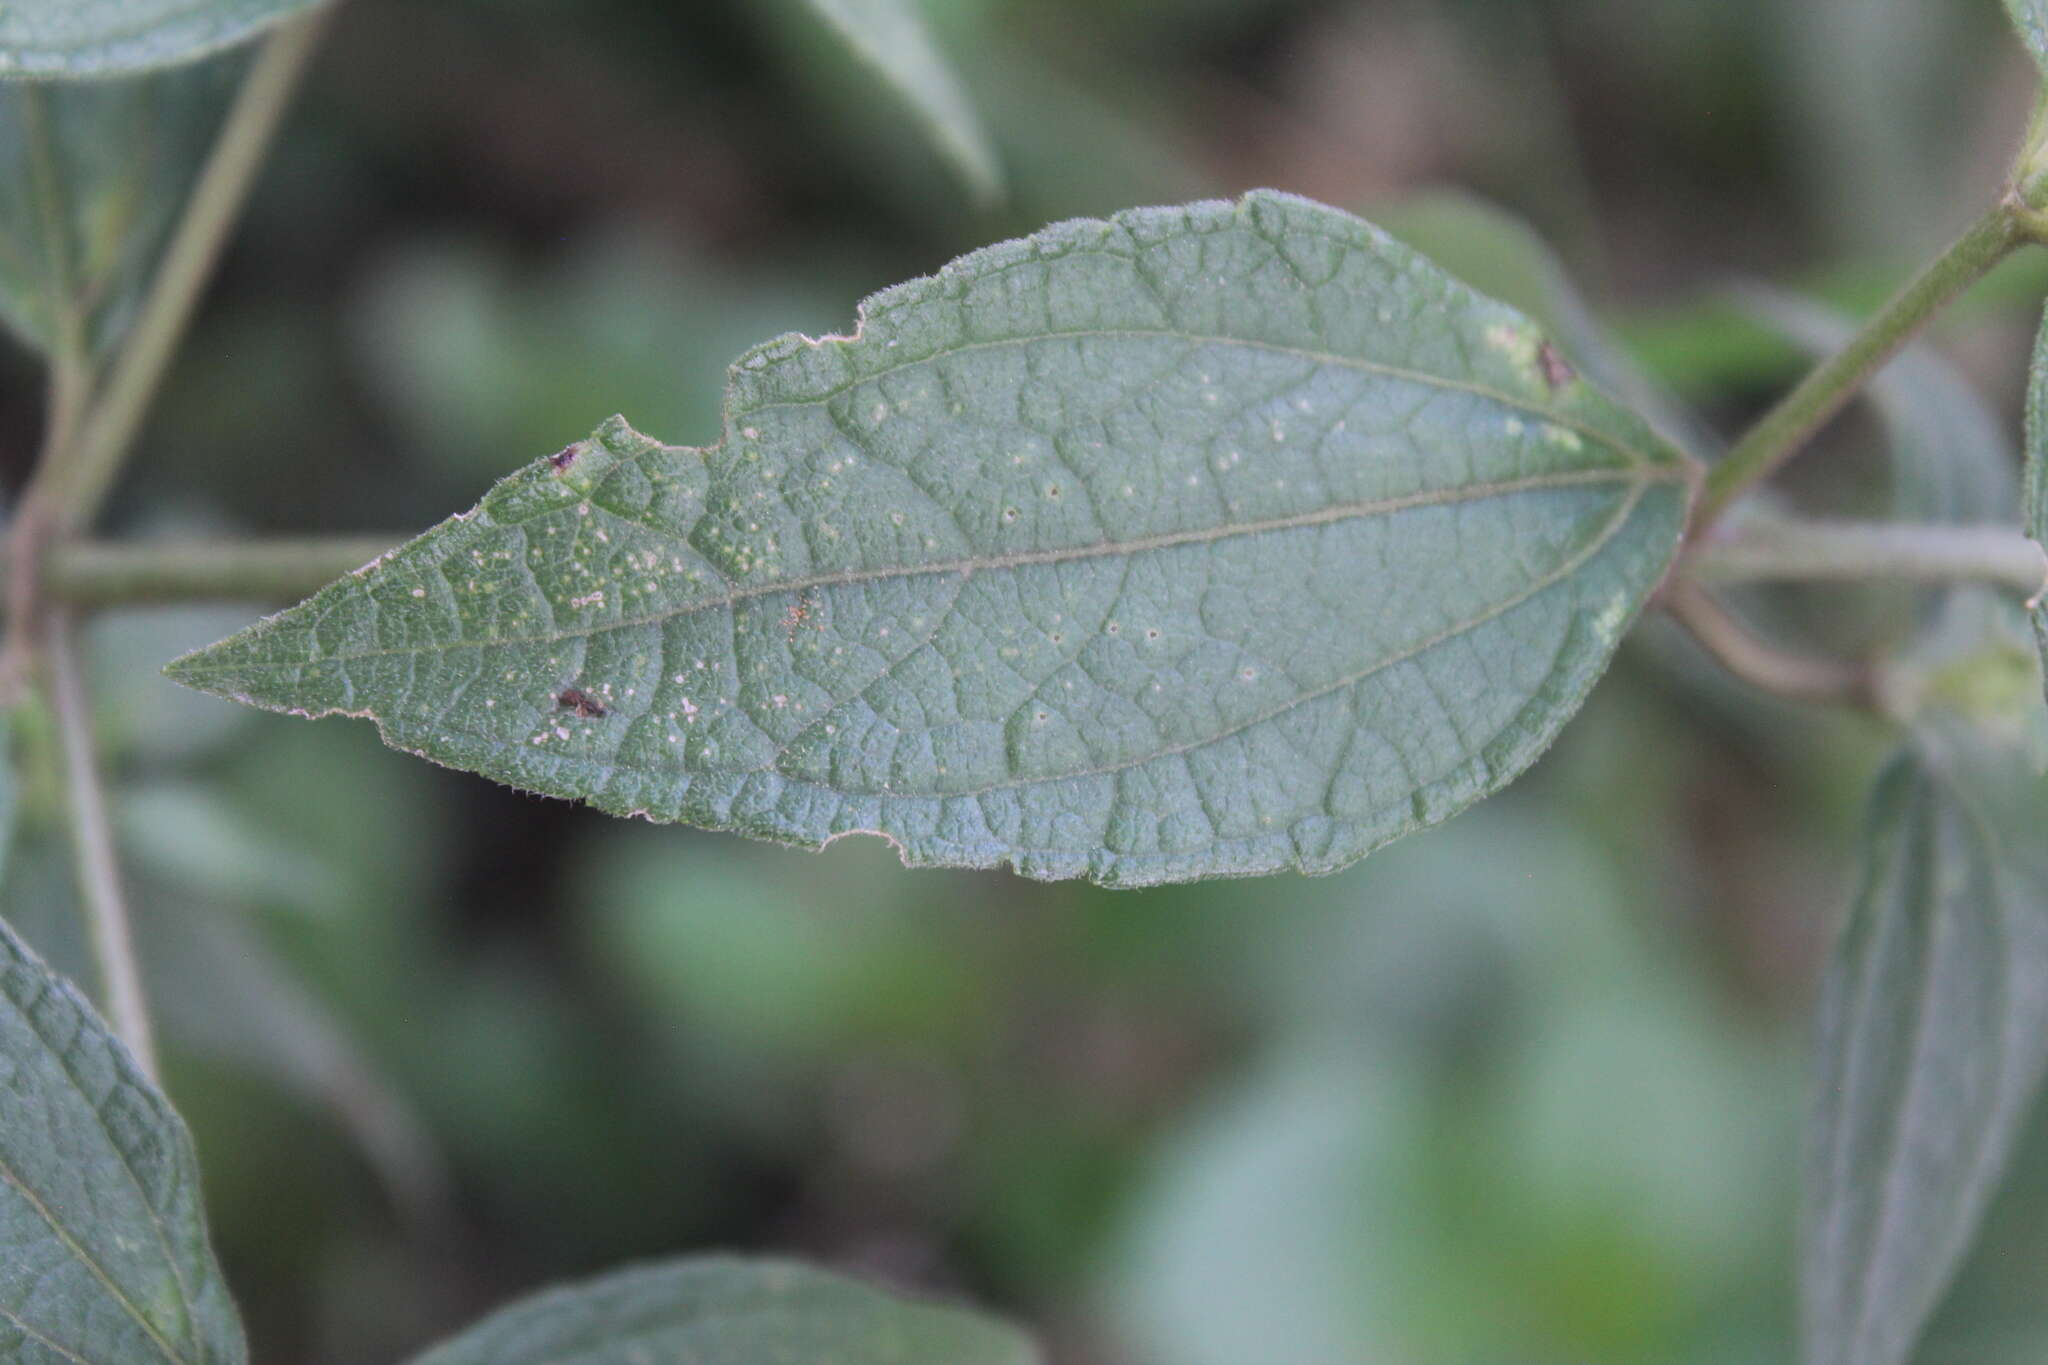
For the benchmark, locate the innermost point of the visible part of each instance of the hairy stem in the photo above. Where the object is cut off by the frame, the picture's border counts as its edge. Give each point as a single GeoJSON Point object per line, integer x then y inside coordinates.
{"type": "Point", "coordinates": [1765, 549]}
{"type": "Point", "coordinates": [102, 574]}
{"type": "Point", "coordinates": [1800, 677]}
{"type": "Point", "coordinates": [187, 265]}
{"type": "Point", "coordinates": [92, 842]}
{"type": "Point", "coordinates": [1780, 433]}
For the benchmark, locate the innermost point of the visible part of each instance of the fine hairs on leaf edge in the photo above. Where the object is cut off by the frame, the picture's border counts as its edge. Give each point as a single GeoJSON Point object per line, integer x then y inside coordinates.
{"type": "Point", "coordinates": [1653, 458]}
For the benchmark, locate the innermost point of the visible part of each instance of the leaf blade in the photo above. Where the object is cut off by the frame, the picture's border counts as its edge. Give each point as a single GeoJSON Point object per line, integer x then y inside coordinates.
{"type": "Point", "coordinates": [1029, 562]}
{"type": "Point", "coordinates": [2034, 485]}
{"type": "Point", "coordinates": [99, 1206]}
{"type": "Point", "coordinates": [726, 1311]}
{"type": "Point", "coordinates": [90, 39]}
{"type": "Point", "coordinates": [892, 39]}
{"type": "Point", "coordinates": [1916, 1107]}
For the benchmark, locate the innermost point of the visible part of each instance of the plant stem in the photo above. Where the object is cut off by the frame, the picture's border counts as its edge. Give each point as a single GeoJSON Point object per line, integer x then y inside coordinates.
{"type": "Point", "coordinates": [101, 573]}
{"type": "Point", "coordinates": [1785, 428]}
{"type": "Point", "coordinates": [1800, 677]}
{"type": "Point", "coordinates": [92, 842]}
{"type": "Point", "coordinates": [187, 265]}
{"type": "Point", "coordinates": [1764, 549]}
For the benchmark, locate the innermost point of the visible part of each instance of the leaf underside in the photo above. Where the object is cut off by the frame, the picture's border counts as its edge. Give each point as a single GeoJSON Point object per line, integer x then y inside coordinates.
{"type": "Point", "coordinates": [1933, 1031]}
{"type": "Point", "coordinates": [90, 39]}
{"type": "Point", "coordinates": [719, 1311]}
{"type": "Point", "coordinates": [1200, 541]}
{"type": "Point", "coordinates": [103, 1252]}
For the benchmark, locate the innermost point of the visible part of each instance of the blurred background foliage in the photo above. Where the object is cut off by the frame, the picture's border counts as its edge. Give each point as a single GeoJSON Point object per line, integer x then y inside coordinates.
{"type": "Point", "coordinates": [1522, 1089]}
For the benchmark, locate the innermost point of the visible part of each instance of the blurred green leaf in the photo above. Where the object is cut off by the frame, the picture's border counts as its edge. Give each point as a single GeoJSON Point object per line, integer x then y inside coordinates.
{"type": "Point", "coordinates": [106, 1249]}
{"type": "Point", "coordinates": [719, 1311]}
{"type": "Point", "coordinates": [998, 579]}
{"type": "Point", "coordinates": [893, 39]}
{"type": "Point", "coordinates": [93, 177]}
{"type": "Point", "coordinates": [2030, 17]}
{"type": "Point", "coordinates": [1933, 1035]}
{"type": "Point", "coordinates": [90, 39]}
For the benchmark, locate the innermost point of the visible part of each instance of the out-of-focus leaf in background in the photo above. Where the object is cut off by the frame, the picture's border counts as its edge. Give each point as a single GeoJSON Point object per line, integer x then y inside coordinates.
{"type": "Point", "coordinates": [1932, 1039]}
{"type": "Point", "coordinates": [94, 175]}
{"type": "Point", "coordinates": [892, 38]}
{"type": "Point", "coordinates": [106, 39]}
{"type": "Point", "coordinates": [731, 1312]}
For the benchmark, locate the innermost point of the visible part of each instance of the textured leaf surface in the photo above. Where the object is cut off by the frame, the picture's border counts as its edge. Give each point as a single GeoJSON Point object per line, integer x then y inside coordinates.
{"type": "Point", "coordinates": [99, 38]}
{"type": "Point", "coordinates": [103, 1252]}
{"type": "Point", "coordinates": [2030, 17]}
{"type": "Point", "coordinates": [1200, 541]}
{"type": "Point", "coordinates": [892, 38]}
{"type": "Point", "coordinates": [92, 176]}
{"type": "Point", "coordinates": [1933, 1034]}
{"type": "Point", "coordinates": [729, 1312]}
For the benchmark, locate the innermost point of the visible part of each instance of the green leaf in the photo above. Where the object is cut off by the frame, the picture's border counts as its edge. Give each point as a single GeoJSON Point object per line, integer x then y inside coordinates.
{"type": "Point", "coordinates": [1501, 256]}
{"type": "Point", "coordinates": [91, 181]}
{"type": "Point", "coordinates": [1201, 541]}
{"type": "Point", "coordinates": [891, 37]}
{"type": "Point", "coordinates": [2030, 17]}
{"type": "Point", "coordinates": [106, 1257]}
{"type": "Point", "coordinates": [88, 39]}
{"type": "Point", "coordinates": [2034, 492]}
{"type": "Point", "coordinates": [719, 1311]}
{"type": "Point", "coordinates": [1933, 1034]}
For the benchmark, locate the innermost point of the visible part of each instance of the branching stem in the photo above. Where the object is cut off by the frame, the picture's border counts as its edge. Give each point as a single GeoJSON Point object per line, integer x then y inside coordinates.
{"type": "Point", "coordinates": [1782, 431]}
{"type": "Point", "coordinates": [1764, 549]}
{"type": "Point", "coordinates": [1799, 677]}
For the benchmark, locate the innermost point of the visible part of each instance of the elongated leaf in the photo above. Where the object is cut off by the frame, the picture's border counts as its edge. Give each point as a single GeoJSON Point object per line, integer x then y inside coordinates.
{"type": "Point", "coordinates": [2030, 17]}
{"type": "Point", "coordinates": [91, 178]}
{"type": "Point", "coordinates": [1201, 541]}
{"type": "Point", "coordinates": [719, 1311]}
{"type": "Point", "coordinates": [83, 39]}
{"type": "Point", "coordinates": [2034, 494]}
{"type": "Point", "coordinates": [103, 1251]}
{"type": "Point", "coordinates": [892, 38]}
{"type": "Point", "coordinates": [1933, 1035]}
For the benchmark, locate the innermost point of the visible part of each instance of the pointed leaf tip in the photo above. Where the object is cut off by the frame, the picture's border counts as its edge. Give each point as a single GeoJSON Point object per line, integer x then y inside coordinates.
{"type": "Point", "coordinates": [1199, 541]}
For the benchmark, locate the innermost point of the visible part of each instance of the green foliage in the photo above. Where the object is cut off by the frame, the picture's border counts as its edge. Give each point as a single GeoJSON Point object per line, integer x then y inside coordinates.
{"type": "Point", "coordinates": [1198, 542]}
{"type": "Point", "coordinates": [96, 39]}
{"type": "Point", "coordinates": [1933, 1036]}
{"type": "Point", "coordinates": [2030, 17]}
{"type": "Point", "coordinates": [890, 36]}
{"type": "Point", "coordinates": [107, 1256]}
{"type": "Point", "coordinates": [729, 1312]}
{"type": "Point", "coordinates": [94, 174]}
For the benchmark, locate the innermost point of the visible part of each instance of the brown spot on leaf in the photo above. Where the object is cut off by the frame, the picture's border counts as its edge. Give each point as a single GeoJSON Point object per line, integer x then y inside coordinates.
{"type": "Point", "coordinates": [565, 457]}
{"type": "Point", "coordinates": [1557, 371]}
{"type": "Point", "coordinates": [582, 703]}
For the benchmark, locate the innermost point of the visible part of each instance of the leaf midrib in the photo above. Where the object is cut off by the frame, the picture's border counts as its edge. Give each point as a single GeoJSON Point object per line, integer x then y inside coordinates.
{"type": "Point", "coordinates": [1641, 476]}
